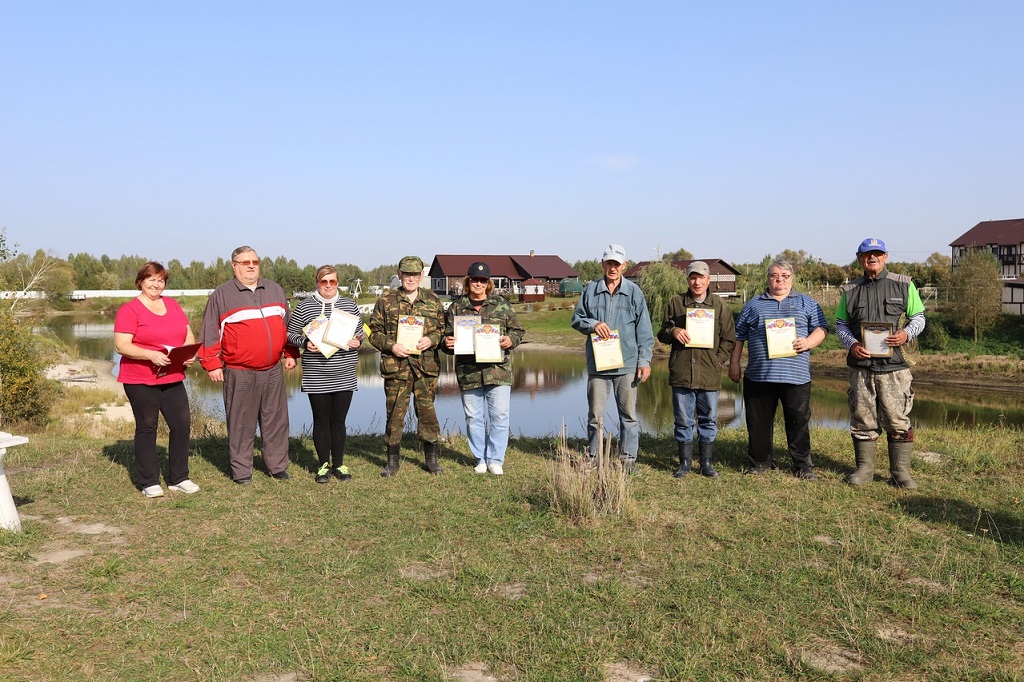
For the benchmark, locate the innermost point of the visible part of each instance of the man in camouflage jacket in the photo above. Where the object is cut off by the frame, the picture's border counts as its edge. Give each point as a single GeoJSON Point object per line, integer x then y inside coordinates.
{"type": "Point", "coordinates": [409, 371]}
{"type": "Point", "coordinates": [485, 386]}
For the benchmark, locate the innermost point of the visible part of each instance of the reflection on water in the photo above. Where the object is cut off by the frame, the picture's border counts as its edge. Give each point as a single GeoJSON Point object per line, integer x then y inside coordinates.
{"type": "Point", "coordinates": [550, 388]}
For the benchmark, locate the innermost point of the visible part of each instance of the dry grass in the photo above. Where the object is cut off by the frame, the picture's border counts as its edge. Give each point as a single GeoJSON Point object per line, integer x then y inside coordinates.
{"type": "Point", "coordinates": [585, 491]}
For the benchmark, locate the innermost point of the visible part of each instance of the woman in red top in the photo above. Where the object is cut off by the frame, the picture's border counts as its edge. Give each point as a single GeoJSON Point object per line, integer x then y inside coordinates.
{"type": "Point", "coordinates": [144, 329]}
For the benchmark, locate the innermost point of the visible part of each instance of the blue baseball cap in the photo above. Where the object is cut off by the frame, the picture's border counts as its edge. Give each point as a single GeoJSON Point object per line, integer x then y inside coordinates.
{"type": "Point", "coordinates": [871, 244]}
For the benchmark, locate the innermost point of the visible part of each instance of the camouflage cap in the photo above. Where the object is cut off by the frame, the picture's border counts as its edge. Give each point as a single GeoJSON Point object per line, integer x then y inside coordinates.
{"type": "Point", "coordinates": [411, 264]}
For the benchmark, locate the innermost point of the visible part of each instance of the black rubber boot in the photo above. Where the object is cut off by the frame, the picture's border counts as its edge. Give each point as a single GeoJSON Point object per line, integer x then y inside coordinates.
{"type": "Point", "coordinates": [864, 453]}
{"type": "Point", "coordinates": [705, 459]}
{"type": "Point", "coordinates": [430, 458]}
{"type": "Point", "coordinates": [685, 459]}
{"type": "Point", "coordinates": [392, 466]}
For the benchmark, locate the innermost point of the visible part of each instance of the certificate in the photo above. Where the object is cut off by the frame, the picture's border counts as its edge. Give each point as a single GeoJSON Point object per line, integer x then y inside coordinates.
{"type": "Point", "coordinates": [781, 334]}
{"type": "Point", "coordinates": [488, 343]}
{"type": "Point", "coordinates": [700, 325]}
{"type": "Point", "coordinates": [314, 332]}
{"type": "Point", "coordinates": [607, 352]}
{"type": "Point", "coordinates": [341, 329]}
{"type": "Point", "coordinates": [464, 327]}
{"type": "Point", "coordinates": [410, 331]}
{"type": "Point", "coordinates": [873, 335]}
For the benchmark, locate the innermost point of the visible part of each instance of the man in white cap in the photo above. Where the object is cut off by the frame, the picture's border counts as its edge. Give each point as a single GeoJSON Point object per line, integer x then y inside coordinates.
{"type": "Point", "coordinates": [880, 393]}
{"type": "Point", "coordinates": [695, 365]}
{"type": "Point", "coordinates": [611, 306]}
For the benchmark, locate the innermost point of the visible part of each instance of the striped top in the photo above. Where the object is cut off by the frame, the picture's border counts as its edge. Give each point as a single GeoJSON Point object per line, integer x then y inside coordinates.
{"type": "Point", "coordinates": [320, 374]}
{"type": "Point", "coordinates": [750, 327]}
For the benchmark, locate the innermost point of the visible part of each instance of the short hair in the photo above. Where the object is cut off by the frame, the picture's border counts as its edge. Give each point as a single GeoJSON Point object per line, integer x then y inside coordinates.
{"type": "Point", "coordinates": [240, 250]}
{"type": "Point", "coordinates": [465, 285]}
{"type": "Point", "coordinates": [782, 265]}
{"type": "Point", "coordinates": [150, 269]}
{"type": "Point", "coordinates": [325, 270]}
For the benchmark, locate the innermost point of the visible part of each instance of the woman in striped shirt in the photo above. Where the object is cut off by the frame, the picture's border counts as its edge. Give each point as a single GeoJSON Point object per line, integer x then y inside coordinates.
{"type": "Point", "coordinates": [328, 373]}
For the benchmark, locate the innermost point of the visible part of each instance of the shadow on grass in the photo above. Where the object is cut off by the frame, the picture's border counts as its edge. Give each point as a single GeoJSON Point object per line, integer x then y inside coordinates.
{"type": "Point", "coordinates": [1002, 526]}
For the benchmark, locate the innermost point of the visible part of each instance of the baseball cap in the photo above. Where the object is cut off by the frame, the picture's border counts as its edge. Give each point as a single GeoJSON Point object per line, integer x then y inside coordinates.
{"type": "Point", "coordinates": [872, 244]}
{"type": "Point", "coordinates": [479, 269]}
{"type": "Point", "coordinates": [698, 266]}
{"type": "Point", "coordinates": [411, 264]}
{"type": "Point", "coordinates": [614, 252]}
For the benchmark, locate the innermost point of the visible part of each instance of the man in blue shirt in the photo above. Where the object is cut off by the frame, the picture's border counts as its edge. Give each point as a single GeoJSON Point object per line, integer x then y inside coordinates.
{"type": "Point", "coordinates": [607, 305]}
{"type": "Point", "coordinates": [782, 375]}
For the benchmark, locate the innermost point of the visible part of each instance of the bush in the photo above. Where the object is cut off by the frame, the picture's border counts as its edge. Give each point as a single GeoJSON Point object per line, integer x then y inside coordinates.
{"type": "Point", "coordinates": [934, 337]}
{"type": "Point", "coordinates": [25, 394]}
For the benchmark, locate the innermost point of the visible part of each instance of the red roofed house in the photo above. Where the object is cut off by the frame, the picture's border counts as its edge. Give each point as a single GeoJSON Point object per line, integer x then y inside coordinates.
{"type": "Point", "coordinates": [723, 275]}
{"type": "Point", "coordinates": [1005, 239]}
{"type": "Point", "coordinates": [507, 272]}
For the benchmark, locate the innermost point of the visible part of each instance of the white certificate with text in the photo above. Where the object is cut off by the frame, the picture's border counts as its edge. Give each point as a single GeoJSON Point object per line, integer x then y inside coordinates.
{"type": "Point", "coordinates": [462, 329]}
{"type": "Point", "coordinates": [488, 343]}
{"type": "Point", "coordinates": [781, 334]}
{"type": "Point", "coordinates": [410, 331]}
{"type": "Point", "coordinates": [700, 325]}
{"type": "Point", "coordinates": [607, 352]}
{"type": "Point", "coordinates": [873, 335]}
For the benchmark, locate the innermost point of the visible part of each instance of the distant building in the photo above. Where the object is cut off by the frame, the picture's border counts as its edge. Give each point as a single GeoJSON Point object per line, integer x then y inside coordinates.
{"type": "Point", "coordinates": [723, 275]}
{"type": "Point", "coordinates": [507, 272]}
{"type": "Point", "coordinates": [1005, 239]}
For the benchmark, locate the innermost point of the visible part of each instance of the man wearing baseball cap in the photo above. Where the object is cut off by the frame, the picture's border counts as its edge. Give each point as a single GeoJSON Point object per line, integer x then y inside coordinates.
{"type": "Point", "coordinates": [409, 371]}
{"type": "Point", "coordinates": [881, 397]}
{"type": "Point", "coordinates": [695, 367]}
{"type": "Point", "coordinates": [609, 304]}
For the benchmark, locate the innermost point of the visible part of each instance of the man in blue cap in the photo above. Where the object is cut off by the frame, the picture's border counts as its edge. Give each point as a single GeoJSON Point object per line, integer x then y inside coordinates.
{"type": "Point", "coordinates": [881, 397]}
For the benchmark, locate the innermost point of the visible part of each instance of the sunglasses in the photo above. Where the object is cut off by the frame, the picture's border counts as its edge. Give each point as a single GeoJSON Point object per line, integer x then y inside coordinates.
{"type": "Point", "coordinates": [478, 280]}
{"type": "Point", "coordinates": [329, 282]}
{"type": "Point", "coordinates": [246, 263]}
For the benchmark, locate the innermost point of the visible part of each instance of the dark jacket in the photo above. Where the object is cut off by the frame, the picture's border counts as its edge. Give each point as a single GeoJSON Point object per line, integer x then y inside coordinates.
{"type": "Point", "coordinates": [384, 331]}
{"type": "Point", "coordinates": [698, 367]}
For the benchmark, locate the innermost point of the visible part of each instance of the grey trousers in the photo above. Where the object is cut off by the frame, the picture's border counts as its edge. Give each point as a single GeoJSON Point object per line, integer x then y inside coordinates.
{"type": "Point", "coordinates": [254, 398]}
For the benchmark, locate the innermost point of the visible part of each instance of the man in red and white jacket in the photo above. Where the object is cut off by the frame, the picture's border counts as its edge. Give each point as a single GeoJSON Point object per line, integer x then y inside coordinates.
{"type": "Point", "coordinates": [243, 339]}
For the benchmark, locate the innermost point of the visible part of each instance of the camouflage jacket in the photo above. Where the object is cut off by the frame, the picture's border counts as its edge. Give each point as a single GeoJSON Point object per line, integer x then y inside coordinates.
{"type": "Point", "coordinates": [384, 331]}
{"type": "Point", "coordinates": [496, 309]}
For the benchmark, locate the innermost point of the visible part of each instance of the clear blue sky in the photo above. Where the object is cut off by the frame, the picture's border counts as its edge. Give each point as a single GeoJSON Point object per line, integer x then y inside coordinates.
{"type": "Point", "coordinates": [359, 132]}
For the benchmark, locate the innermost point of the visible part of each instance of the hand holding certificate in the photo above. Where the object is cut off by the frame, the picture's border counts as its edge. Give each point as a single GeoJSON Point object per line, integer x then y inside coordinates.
{"type": "Point", "coordinates": [700, 325]}
{"type": "Point", "coordinates": [780, 333]}
{"type": "Point", "coordinates": [410, 331]}
{"type": "Point", "coordinates": [314, 332]}
{"type": "Point", "coordinates": [607, 352]}
{"type": "Point", "coordinates": [873, 336]}
{"type": "Point", "coordinates": [178, 357]}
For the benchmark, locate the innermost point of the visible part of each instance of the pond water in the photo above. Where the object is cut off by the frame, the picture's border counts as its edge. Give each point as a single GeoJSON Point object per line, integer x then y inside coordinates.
{"type": "Point", "coordinates": [550, 390]}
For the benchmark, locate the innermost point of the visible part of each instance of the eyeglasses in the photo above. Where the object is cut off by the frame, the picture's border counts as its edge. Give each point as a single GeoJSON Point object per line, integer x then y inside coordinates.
{"type": "Point", "coordinates": [410, 274]}
{"type": "Point", "coordinates": [478, 280]}
{"type": "Point", "coordinates": [246, 263]}
{"type": "Point", "coordinates": [876, 254]}
{"type": "Point", "coordinates": [329, 282]}
{"type": "Point", "coordinates": [780, 278]}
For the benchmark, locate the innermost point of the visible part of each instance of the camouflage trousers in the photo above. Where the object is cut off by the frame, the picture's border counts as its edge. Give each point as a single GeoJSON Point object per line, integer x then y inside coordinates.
{"type": "Point", "coordinates": [397, 390]}
{"type": "Point", "coordinates": [880, 401]}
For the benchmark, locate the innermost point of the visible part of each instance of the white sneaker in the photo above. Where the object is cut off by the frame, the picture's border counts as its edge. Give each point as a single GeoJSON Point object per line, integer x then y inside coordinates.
{"type": "Point", "coordinates": [495, 469]}
{"type": "Point", "coordinates": [186, 486]}
{"type": "Point", "coordinates": [153, 491]}
{"type": "Point", "coordinates": [481, 467]}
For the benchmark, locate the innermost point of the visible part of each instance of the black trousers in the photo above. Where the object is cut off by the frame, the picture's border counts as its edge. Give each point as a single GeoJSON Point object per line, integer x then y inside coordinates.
{"type": "Point", "coordinates": [760, 402]}
{"type": "Point", "coordinates": [329, 413]}
{"type": "Point", "coordinates": [148, 403]}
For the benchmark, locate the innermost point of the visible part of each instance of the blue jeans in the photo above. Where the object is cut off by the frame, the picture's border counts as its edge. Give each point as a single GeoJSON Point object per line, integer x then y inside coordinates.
{"type": "Point", "coordinates": [486, 410]}
{"type": "Point", "coordinates": [599, 388]}
{"type": "Point", "coordinates": [688, 401]}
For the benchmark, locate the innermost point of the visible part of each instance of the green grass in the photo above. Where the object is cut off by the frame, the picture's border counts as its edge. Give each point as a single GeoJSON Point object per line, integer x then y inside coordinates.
{"type": "Point", "coordinates": [408, 579]}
